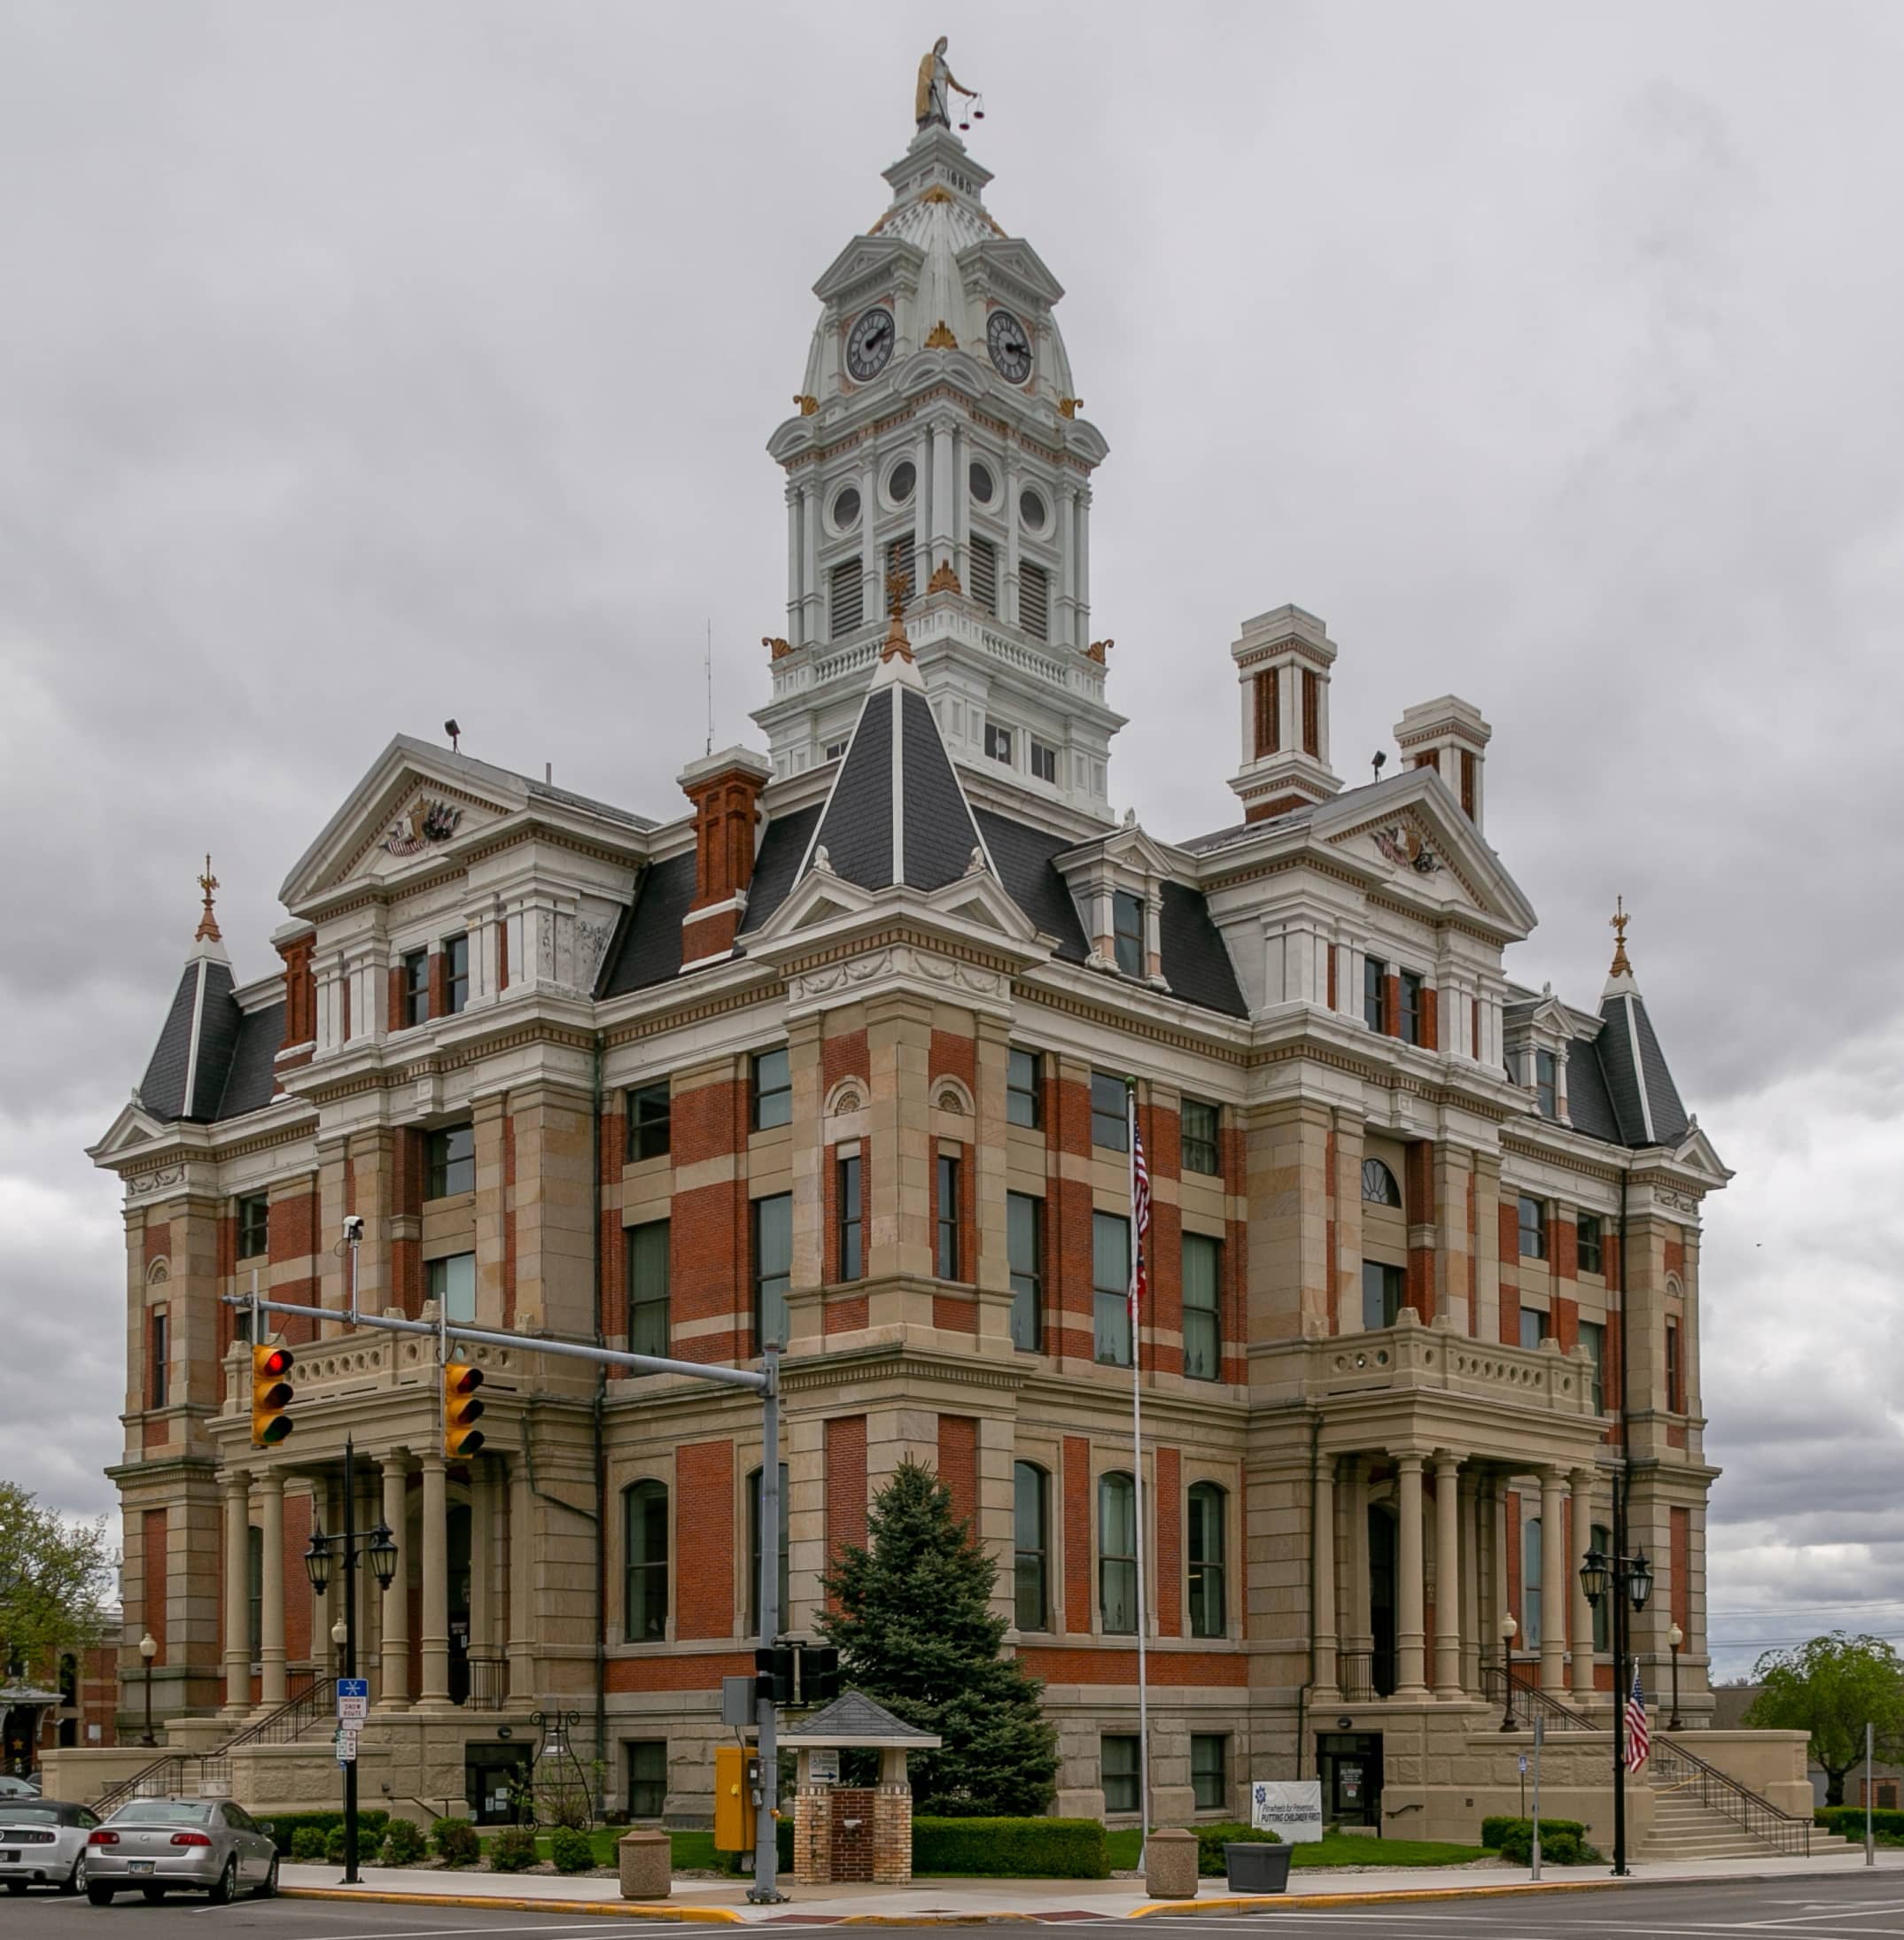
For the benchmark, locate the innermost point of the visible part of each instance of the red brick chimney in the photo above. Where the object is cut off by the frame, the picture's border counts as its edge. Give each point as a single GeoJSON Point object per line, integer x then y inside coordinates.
{"type": "Point", "coordinates": [725, 789]}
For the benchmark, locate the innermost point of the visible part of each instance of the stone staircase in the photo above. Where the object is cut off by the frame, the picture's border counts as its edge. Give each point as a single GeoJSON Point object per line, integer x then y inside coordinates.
{"type": "Point", "coordinates": [1683, 1828]}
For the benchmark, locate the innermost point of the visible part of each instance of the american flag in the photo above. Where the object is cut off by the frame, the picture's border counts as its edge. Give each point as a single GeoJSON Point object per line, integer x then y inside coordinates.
{"type": "Point", "coordinates": [1639, 1741]}
{"type": "Point", "coordinates": [1139, 1219]}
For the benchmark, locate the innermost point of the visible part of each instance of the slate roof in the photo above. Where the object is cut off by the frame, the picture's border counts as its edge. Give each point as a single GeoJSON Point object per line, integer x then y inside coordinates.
{"type": "Point", "coordinates": [852, 1717]}
{"type": "Point", "coordinates": [1645, 1101]}
{"type": "Point", "coordinates": [236, 1050]}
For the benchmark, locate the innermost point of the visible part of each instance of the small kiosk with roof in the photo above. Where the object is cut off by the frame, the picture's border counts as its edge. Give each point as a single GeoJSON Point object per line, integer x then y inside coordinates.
{"type": "Point", "coordinates": [853, 1832]}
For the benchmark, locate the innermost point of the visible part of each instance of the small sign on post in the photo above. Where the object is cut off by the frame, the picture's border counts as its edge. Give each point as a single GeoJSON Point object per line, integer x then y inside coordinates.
{"type": "Point", "coordinates": [353, 1700]}
{"type": "Point", "coordinates": [345, 1743]}
{"type": "Point", "coordinates": [823, 1765]}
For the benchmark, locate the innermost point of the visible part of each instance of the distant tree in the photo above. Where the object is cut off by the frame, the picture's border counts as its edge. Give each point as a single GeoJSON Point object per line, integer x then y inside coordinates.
{"type": "Point", "coordinates": [54, 1578]}
{"type": "Point", "coordinates": [1832, 1687]}
{"type": "Point", "coordinates": [915, 1631]}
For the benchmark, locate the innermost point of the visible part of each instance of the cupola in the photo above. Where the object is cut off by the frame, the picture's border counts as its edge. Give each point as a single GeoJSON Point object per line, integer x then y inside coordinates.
{"type": "Point", "coordinates": [1283, 660]}
{"type": "Point", "coordinates": [1449, 736]}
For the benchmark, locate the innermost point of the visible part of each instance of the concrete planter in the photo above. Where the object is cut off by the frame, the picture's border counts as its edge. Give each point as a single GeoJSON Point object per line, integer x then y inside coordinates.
{"type": "Point", "coordinates": [647, 1865]}
{"type": "Point", "coordinates": [1257, 1868]}
{"type": "Point", "coordinates": [1170, 1865]}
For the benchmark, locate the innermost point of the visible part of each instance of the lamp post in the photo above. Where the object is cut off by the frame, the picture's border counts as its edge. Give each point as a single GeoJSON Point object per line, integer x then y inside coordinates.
{"type": "Point", "coordinates": [1509, 1630]}
{"type": "Point", "coordinates": [1629, 1581]}
{"type": "Point", "coordinates": [382, 1551]}
{"type": "Point", "coordinates": [1674, 1637]}
{"type": "Point", "coordinates": [148, 1649]}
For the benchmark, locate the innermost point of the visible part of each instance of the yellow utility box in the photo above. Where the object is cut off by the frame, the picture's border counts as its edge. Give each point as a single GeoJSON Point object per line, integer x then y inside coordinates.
{"type": "Point", "coordinates": [736, 1772]}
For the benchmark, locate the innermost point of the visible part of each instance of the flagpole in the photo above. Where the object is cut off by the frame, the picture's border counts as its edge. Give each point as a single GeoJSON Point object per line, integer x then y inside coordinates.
{"type": "Point", "coordinates": [1136, 1445]}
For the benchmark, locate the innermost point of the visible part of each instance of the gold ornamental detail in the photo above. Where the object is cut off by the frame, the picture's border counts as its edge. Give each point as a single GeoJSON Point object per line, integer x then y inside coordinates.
{"type": "Point", "coordinates": [1070, 406]}
{"type": "Point", "coordinates": [942, 337]}
{"type": "Point", "coordinates": [943, 579]}
{"type": "Point", "coordinates": [776, 648]}
{"type": "Point", "coordinates": [1098, 648]}
{"type": "Point", "coordinates": [808, 405]}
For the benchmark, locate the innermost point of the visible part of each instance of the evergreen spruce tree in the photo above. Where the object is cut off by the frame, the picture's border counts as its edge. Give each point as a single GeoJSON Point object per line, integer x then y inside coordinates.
{"type": "Point", "coordinates": [915, 1632]}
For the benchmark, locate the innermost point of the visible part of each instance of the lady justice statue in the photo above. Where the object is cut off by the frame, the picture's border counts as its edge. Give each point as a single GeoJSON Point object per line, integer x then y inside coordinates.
{"type": "Point", "coordinates": [935, 77]}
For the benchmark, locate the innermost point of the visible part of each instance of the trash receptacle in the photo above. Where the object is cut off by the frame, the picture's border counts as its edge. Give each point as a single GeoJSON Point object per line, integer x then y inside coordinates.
{"type": "Point", "coordinates": [1254, 1866]}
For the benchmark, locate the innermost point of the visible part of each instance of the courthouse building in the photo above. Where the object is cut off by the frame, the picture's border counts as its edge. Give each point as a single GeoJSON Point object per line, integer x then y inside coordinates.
{"type": "Point", "coordinates": [834, 1051]}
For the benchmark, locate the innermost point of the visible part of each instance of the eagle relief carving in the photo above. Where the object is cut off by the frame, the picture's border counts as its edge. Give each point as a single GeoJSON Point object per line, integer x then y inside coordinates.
{"type": "Point", "coordinates": [1404, 848]}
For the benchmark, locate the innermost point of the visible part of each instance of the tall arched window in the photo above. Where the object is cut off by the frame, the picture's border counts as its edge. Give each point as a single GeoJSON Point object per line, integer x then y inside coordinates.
{"type": "Point", "coordinates": [1032, 1546]}
{"type": "Point", "coordinates": [1378, 1186]}
{"type": "Point", "coordinates": [644, 1535]}
{"type": "Point", "coordinates": [1205, 1551]}
{"type": "Point", "coordinates": [753, 1550]}
{"type": "Point", "coordinates": [1530, 1584]}
{"type": "Point", "coordinates": [1117, 1554]}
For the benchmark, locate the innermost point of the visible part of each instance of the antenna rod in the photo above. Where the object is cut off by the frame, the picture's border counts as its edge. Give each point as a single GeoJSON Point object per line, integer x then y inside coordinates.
{"type": "Point", "coordinates": [708, 664]}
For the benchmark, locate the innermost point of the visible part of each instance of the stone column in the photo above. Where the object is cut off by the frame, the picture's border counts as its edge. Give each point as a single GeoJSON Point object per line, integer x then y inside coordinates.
{"type": "Point", "coordinates": [1582, 1480]}
{"type": "Point", "coordinates": [1360, 1631]}
{"type": "Point", "coordinates": [1411, 1635]}
{"type": "Point", "coordinates": [238, 1597]}
{"type": "Point", "coordinates": [1553, 1584]}
{"type": "Point", "coordinates": [271, 1644]}
{"type": "Point", "coordinates": [522, 1560]}
{"type": "Point", "coordinates": [1447, 1576]}
{"type": "Point", "coordinates": [435, 1693]}
{"type": "Point", "coordinates": [395, 1692]}
{"type": "Point", "coordinates": [1497, 1590]}
{"type": "Point", "coordinates": [1323, 1563]}
{"type": "Point", "coordinates": [1472, 1642]}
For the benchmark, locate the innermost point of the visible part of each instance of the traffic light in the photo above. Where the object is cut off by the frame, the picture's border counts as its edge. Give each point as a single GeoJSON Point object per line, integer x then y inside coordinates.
{"type": "Point", "coordinates": [461, 1408]}
{"type": "Point", "coordinates": [774, 1672]}
{"type": "Point", "coordinates": [819, 1674]}
{"type": "Point", "coordinates": [271, 1395]}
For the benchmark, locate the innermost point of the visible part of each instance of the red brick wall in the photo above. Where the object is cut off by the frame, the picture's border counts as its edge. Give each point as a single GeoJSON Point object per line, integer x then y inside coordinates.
{"type": "Point", "coordinates": [1169, 1570]}
{"type": "Point", "coordinates": [300, 990]}
{"type": "Point", "coordinates": [405, 1199]}
{"type": "Point", "coordinates": [958, 1463]}
{"type": "Point", "coordinates": [1680, 1587]}
{"type": "Point", "coordinates": [1431, 1019]}
{"type": "Point", "coordinates": [293, 1236]}
{"type": "Point", "coordinates": [297, 1582]}
{"type": "Point", "coordinates": [1174, 1669]}
{"type": "Point", "coordinates": [439, 983]}
{"type": "Point", "coordinates": [394, 1007]}
{"type": "Point", "coordinates": [153, 1578]}
{"type": "Point", "coordinates": [846, 1486]}
{"type": "Point", "coordinates": [709, 1241]}
{"type": "Point", "coordinates": [703, 1594]}
{"type": "Point", "coordinates": [1417, 1196]}
{"type": "Point", "coordinates": [681, 1674]}
{"type": "Point", "coordinates": [1075, 1484]}
{"type": "Point", "coordinates": [1508, 1232]}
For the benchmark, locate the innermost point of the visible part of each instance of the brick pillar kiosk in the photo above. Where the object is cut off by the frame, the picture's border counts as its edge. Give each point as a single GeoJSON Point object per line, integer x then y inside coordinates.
{"type": "Point", "coordinates": [892, 1820]}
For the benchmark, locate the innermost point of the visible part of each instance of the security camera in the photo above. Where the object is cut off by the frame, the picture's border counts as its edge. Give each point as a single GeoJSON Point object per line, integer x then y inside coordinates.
{"type": "Point", "coordinates": [353, 1227]}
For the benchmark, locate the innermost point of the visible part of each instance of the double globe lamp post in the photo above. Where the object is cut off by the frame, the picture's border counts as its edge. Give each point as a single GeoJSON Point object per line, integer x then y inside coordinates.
{"type": "Point", "coordinates": [1629, 1579]}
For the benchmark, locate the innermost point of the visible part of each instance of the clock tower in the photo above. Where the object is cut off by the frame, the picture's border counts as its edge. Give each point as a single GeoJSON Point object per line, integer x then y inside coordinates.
{"type": "Point", "coordinates": [938, 458]}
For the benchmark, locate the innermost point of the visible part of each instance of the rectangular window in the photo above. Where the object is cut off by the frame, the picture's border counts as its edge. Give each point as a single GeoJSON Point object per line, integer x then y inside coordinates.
{"type": "Point", "coordinates": [1545, 1088]}
{"type": "Point", "coordinates": [1127, 932]}
{"type": "Point", "coordinates": [650, 1121]}
{"type": "Point", "coordinates": [1382, 1287]}
{"type": "Point", "coordinates": [1110, 1108]}
{"type": "Point", "coordinates": [851, 1216]}
{"type": "Point", "coordinates": [1269, 713]}
{"type": "Point", "coordinates": [455, 974]}
{"type": "Point", "coordinates": [1208, 1758]}
{"type": "Point", "coordinates": [1199, 1146]}
{"type": "Point", "coordinates": [1206, 1543]}
{"type": "Point", "coordinates": [650, 1330]}
{"type": "Point", "coordinates": [416, 988]}
{"type": "Point", "coordinates": [1530, 1584]}
{"type": "Point", "coordinates": [1034, 600]}
{"type": "Point", "coordinates": [772, 1251]}
{"type": "Point", "coordinates": [898, 576]}
{"type": "Point", "coordinates": [845, 597]}
{"type": "Point", "coordinates": [1032, 1546]}
{"type": "Point", "coordinates": [1593, 1339]}
{"type": "Point", "coordinates": [644, 1537]}
{"type": "Point", "coordinates": [1110, 1289]}
{"type": "Point", "coordinates": [647, 1778]}
{"type": "Point", "coordinates": [1202, 1306]}
{"type": "Point", "coordinates": [254, 1226]}
{"type": "Point", "coordinates": [1374, 976]}
{"type": "Point", "coordinates": [157, 1372]}
{"type": "Point", "coordinates": [997, 743]}
{"type": "Point", "coordinates": [1533, 1228]}
{"type": "Point", "coordinates": [835, 749]}
{"type": "Point", "coordinates": [1023, 1087]}
{"type": "Point", "coordinates": [1043, 762]}
{"type": "Point", "coordinates": [451, 1284]}
{"type": "Point", "coordinates": [753, 1550]}
{"type": "Point", "coordinates": [1589, 1233]}
{"type": "Point", "coordinates": [772, 1090]}
{"type": "Point", "coordinates": [1408, 1025]}
{"type": "Point", "coordinates": [451, 1155]}
{"type": "Point", "coordinates": [1311, 711]}
{"type": "Point", "coordinates": [984, 564]}
{"type": "Point", "coordinates": [1024, 1248]}
{"type": "Point", "coordinates": [1532, 1326]}
{"type": "Point", "coordinates": [1117, 1765]}
{"type": "Point", "coordinates": [1676, 1395]}
{"type": "Point", "coordinates": [945, 1254]}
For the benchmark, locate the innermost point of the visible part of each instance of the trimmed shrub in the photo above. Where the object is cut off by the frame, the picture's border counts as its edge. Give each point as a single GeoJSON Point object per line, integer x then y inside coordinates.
{"type": "Point", "coordinates": [284, 1828]}
{"type": "Point", "coordinates": [513, 1849]}
{"type": "Point", "coordinates": [1563, 1843]}
{"type": "Point", "coordinates": [1847, 1821]}
{"type": "Point", "coordinates": [334, 1844]}
{"type": "Point", "coordinates": [1030, 1848]}
{"type": "Point", "coordinates": [404, 1844]}
{"type": "Point", "coordinates": [1492, 1829]}
{"type": "Point", "coordinates": [572, 1852]}
{"type": "Point", "coordinates": [1211, 1861]}
{"type": "Point", "coordinates": [455, 1842]}
{"type": "Point", "coordinates": [307, 1844]}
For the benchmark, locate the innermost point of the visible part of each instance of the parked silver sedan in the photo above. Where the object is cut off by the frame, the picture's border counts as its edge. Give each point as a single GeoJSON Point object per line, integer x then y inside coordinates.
{"type": "Point", "coordinates": [42, 1842]}
{"type": "Point", "coordinates": [160, 1845]}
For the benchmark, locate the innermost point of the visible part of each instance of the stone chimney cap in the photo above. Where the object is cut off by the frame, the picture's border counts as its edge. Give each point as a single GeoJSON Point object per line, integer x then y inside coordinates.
{"type": "Point", "coordinates": [725, 761]}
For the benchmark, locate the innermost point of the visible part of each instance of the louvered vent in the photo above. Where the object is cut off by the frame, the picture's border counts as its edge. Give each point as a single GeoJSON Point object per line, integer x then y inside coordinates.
{"type": "Point", "coordinates": [1034, 601]}
{"type": "Point", "coordinates": [986, 574]}
{"type": "Point", "coordinates": [846, 597]}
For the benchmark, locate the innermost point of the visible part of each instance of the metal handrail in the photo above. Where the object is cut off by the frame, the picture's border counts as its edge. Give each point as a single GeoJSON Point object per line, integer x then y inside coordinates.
{"type": "Point", "coordinates": [1718, 1791]}
{"type": "Point", "coordinates": [290, 1720]}
{"type": "Point", "coordinates": [169, 1767]}
{"type": "Point", "coordinates": [1528, 1699]}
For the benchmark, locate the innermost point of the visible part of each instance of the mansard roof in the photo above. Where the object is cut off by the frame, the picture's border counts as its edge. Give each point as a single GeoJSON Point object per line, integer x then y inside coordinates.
{"type": "Point", "coordinates": [215, 1058]}
{"type": "Point", "coordinates": [1644, 1099]}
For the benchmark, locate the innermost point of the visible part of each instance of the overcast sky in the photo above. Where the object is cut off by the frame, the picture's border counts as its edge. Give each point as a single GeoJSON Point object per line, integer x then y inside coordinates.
{"type": "Point", "coordinates": [369, 363]}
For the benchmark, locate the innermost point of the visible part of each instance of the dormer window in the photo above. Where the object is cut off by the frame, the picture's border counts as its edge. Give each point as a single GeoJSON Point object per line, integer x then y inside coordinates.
{"type": "Point", "coordinates": [1127, 928]}
{"type": "Point", "coordinates": [1546, 1089]}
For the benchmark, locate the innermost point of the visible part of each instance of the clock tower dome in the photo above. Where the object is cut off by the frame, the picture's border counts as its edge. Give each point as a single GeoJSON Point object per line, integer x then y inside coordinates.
{"type": "Point", "coordinates": [938, 458]}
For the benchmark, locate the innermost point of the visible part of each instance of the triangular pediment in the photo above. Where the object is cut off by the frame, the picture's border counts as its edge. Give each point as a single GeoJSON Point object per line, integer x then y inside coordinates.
{"type": "Point", "coordinates": [864, 257]}
{"type": "Point", "coordinates": [133, 1128]}
{"type": "Point", "coordinates": [1008, 259]}
{"type": "Point", "coordinates": [1696, 1151]}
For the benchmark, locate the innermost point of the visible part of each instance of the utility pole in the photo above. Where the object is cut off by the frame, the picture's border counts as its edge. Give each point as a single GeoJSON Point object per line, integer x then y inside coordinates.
{"type": "Point", "coordinates": [765, 1889]}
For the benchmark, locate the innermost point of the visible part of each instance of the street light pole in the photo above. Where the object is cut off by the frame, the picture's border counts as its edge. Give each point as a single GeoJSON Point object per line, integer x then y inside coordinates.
{"type": "Point", "coordinates": [148, 1649]}
{"type": "Point", "coordinates": [1629, 1581]}
{"type": "Point", "coordinates": [1674, 1637]}
{"type": "Point", "coordinates": [1508, 1629]}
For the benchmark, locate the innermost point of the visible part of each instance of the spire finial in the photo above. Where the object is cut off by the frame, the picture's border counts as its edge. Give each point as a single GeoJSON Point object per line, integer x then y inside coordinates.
{"type": "Point", "coordinates": [207, 930]}
{"type": "Point", "coordinates": [897, 586]}
{"type": "Point", "coordinates": [1617, 922]}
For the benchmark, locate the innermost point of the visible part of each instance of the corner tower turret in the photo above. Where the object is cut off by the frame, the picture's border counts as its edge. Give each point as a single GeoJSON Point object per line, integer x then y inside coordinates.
{"type": "Point", "coordinates": [938, 454]}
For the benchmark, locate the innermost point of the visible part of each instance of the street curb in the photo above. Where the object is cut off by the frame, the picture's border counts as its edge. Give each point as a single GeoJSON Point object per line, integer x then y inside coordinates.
{"type": "Point", "coordinates": [617, 1909]}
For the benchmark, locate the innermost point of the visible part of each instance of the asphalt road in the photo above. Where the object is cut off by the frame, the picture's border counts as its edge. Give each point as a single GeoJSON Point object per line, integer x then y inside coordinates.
{"type": "Point", "coordinates": [1861, 1907]}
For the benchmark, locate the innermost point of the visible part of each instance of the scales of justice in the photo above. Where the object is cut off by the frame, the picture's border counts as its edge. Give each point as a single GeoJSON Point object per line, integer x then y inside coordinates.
{"type": "Point", "coordinates": [937, 81]}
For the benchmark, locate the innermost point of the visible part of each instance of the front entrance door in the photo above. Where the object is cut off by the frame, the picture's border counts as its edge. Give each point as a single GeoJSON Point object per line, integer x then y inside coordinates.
{"type": "Point", "coordinates": [1381, 1600]}
{"type": "Point", "coordinates": [1350, 1764]}
{"type": "Point", "coordinates": [492, 1778]}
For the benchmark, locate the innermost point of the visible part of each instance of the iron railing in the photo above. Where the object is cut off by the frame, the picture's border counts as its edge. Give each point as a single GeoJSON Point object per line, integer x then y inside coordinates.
{"type": "Point", "coordinates": [1522, 1699]}
{"type": "Point", "coordinates": [1679, 1770]}
{"type": "Point", "coordinates": [163, 1777]}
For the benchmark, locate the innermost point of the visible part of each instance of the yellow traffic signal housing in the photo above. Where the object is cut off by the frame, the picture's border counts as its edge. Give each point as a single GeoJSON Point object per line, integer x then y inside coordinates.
{"type": "Point", "coordinates": [460, 1409]}
{"type": "Point", "coordinates": [271, 1395]}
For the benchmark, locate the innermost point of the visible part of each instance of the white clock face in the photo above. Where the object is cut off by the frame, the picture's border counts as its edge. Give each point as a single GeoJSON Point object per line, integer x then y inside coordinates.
{"type": "Point", "coordinates": [869, 344]}
{"type": "Point", "coordinates": [1010, 344]}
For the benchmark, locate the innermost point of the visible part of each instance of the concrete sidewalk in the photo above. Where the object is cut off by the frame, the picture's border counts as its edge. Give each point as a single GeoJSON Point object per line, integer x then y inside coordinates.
{"type": "Point", "coordinates": [950, 1902]}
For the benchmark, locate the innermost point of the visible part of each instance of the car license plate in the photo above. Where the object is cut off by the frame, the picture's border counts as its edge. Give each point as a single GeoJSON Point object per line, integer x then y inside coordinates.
{"type": "Point", "coordinates": [138, 1866]}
